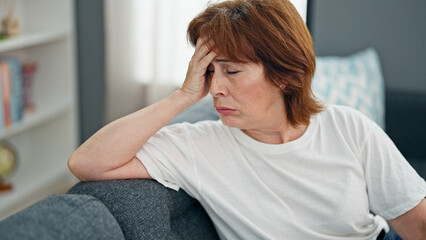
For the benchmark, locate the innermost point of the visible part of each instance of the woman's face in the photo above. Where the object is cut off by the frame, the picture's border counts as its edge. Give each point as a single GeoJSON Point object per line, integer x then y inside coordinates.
{"type": "Point", "coordinates": [243, 97]}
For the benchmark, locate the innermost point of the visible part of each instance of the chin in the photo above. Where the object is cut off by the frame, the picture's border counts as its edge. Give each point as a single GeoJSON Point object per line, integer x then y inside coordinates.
{"type": "Point", "coordinates": [230, 121]}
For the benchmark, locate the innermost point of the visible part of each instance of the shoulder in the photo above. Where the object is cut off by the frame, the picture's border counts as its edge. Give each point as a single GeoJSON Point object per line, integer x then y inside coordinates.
{"type": "Point", "coordinates": [201, 127]}
{"type": "Point", "coordinates": [345, 116]}
{"type": "Point", "coordinates": [211, 133]}
{"type": "Point", "coordinates": [349, 126]}
{"type": "Point", "coordinates": [347, 121]}
{"type": "Point", "coordinates": [342, 111]}
{"type": "Point", "coordinates": [206, 124]}
{"type": "Point", "coordinates": [185, 133]}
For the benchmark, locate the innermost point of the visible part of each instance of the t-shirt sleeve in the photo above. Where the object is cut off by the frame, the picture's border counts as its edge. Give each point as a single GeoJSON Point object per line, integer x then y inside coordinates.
{"type": "Point", "coordinates": [394, 187]}
{"type": "Point", "coordinates": [168, 159]}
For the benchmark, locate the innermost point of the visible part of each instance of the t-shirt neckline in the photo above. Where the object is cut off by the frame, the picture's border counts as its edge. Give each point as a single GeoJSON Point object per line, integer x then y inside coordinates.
{"type": "Point", "coordinates": [250, 142]}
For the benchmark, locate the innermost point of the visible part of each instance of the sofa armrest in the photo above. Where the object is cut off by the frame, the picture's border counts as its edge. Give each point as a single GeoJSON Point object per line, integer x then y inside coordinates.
{"type": "Point", "coordinates": [145, 209]}
{"type": "Point", "coordinates": [64, 216]}
{"type": "Point", "coordinates": [406, 122]}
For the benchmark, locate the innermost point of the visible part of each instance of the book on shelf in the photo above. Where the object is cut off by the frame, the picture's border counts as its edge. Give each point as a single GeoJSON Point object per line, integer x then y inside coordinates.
{"type": "Point", "coordinates": [12, 92]}
{"type": "Point", "coordinates": [1, 101]}
{"type": "Point", "coordinates": [5, 92]}
{"type": "Point", "coordinates": [17, 91]}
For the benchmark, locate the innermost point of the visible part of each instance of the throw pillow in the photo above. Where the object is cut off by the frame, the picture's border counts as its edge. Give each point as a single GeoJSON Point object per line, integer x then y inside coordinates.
{"type": "Point", "coordinates": [354, 81]}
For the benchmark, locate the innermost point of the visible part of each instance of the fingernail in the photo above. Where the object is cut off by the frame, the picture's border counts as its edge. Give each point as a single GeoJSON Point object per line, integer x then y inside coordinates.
{"type": "Point", "coordinates": [216, 50]}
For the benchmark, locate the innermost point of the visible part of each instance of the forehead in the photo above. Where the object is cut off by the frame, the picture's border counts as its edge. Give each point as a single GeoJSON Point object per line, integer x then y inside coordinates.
{"type": "Point", "coordinates": [233, 54]}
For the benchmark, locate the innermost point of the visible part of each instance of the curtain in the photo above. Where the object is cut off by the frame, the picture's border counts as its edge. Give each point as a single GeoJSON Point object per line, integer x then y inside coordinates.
{"type": "Point", "coordinates": [154, 37]}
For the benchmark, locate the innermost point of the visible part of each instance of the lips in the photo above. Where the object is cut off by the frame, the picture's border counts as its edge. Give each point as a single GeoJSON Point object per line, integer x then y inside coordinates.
{"type": "Point", "coordinates": [225, 110]}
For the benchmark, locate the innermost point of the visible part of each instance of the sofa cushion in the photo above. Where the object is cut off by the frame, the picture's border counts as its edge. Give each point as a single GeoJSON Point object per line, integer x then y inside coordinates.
{"type": "Point", "coordinates": [354, 81]}
{"type": "Point", "coordinates": [145, 209]}
{"type": "Point", "coordinates": [65, 216]}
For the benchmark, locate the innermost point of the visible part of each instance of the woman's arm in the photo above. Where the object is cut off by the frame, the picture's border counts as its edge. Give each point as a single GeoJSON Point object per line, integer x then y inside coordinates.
{"type": "Point", "coordinates": [110, 152]}
{"type": "Point", "coordinates": [116, 144]}
{"type": "Point", "coordinates": [412, 224]}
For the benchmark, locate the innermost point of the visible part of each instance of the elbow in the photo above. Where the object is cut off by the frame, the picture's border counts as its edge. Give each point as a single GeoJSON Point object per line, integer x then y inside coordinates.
{"type": "Point", "coordinates": [422, 223]}
{"type": "Point", "coordinates": [421, 233]}
{"type": "Point", "coordinates": [423, 229]}
{"type": "Point", "coordinates": [75, 165]}
{"type": "Point", "coordinates": [71, 163]}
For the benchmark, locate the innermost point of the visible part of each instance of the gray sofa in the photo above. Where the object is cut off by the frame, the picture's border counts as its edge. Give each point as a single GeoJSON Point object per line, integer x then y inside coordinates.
{"type": "Point", "coordinates": [144, 209]}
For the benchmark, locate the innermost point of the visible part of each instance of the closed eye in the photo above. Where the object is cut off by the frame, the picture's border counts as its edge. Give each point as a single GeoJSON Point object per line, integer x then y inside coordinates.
{"type": "Point", "coordinates": [233, 72]}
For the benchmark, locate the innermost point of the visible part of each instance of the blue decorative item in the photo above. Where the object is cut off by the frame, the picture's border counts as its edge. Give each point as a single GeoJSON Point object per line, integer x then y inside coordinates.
{"type": "Point", "coordinates": [354, 81]}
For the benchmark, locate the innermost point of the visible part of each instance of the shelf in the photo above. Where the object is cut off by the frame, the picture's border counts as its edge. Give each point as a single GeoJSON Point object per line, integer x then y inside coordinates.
{"type": "Point", "coordinates": [46, 137]}
{"type": "Point", "coordinates": [31, 40]}
{"type": "Point", "coordinates": [39, 116]}
{"type": "Point", "coordinates": [42, 171]}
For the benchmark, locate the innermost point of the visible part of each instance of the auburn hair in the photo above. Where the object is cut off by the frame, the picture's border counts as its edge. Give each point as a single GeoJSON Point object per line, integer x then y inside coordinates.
{"type": "Point", "coordinates": [267, 32]}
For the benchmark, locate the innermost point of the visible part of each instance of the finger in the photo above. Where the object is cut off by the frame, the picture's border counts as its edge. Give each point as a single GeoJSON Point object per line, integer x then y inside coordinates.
{"type": "Point", "coordinates": [206, 60]}
{"type": "Point", "coordinates": [200, 42]}
{"type": "Point", "coordinates": [203, 50]}
{"type": "Point", "coordinates": [201, 67]}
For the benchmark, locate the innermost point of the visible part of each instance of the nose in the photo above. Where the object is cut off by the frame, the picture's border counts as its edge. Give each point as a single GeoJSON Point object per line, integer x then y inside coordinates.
{"type": "Point", "coordinates": [217, 85]}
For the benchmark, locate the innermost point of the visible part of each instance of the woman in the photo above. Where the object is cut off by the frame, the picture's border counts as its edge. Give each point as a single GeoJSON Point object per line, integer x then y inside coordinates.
{"type": "Point", "coordinates": [278, 165]}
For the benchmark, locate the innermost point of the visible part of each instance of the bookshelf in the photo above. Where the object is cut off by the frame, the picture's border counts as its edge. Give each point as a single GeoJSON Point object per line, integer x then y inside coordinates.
{"type": "Point", "coordinates": [46, 137]}
{"type": "Point", "coordinates": [31, 40]}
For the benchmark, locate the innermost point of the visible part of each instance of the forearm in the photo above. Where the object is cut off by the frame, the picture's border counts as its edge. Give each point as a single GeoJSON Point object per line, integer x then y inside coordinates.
{"type": "Point", "coordinates": [110, 153]}
{"type": "Point", "coordinates": [412, 224]}
{"type": "Point", "coordinates": [118, 142]}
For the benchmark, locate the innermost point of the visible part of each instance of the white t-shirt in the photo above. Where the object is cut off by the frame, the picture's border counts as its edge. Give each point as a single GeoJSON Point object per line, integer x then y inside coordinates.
{"type": "Point", "coordinates": [322, 185]}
